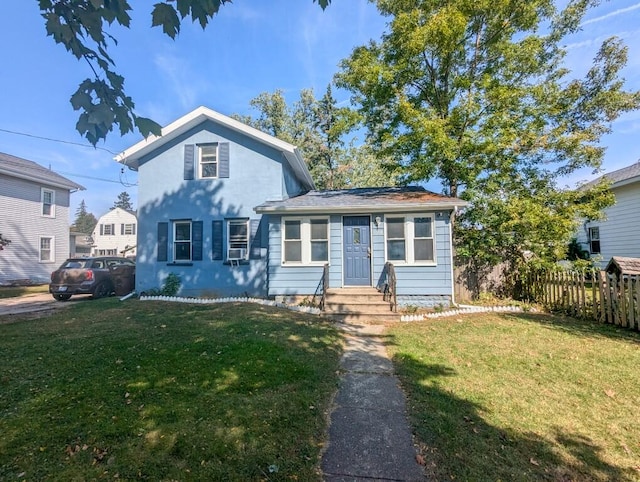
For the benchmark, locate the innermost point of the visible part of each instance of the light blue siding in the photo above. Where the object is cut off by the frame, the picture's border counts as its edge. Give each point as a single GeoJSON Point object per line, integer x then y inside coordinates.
{"type": "Point", "coordinates": [288, 280]}
{"type": "Point", "coordinates": [255, 175]}
{"type": "Point", "coordinates": [426, 281]}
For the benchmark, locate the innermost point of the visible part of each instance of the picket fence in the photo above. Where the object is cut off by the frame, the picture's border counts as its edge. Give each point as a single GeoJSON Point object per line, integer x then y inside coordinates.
{"type": "Point", "coordinates": [597, 295]}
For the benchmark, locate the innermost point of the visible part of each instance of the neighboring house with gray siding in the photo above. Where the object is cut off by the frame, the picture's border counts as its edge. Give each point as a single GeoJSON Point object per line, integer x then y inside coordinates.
{"type": "Point", "coordinates": [34, 215]}
{"type": "Point", "coordinates": [619, 233]}
{"type": "Point", "coordinates": [233, 211]}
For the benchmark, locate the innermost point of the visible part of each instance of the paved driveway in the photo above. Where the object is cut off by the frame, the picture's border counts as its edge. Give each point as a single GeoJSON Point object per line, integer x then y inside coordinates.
{"type": "Point", "coordinates": [13, 309]}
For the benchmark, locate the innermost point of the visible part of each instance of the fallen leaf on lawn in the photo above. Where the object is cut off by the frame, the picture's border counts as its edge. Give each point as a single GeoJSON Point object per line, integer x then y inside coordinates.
{"type": "Point", "coordinates": [610, 393]}
{"type": "Point", "coordinates": [420, 459]}
{"type": "Point", "coordinates": [534, 461]}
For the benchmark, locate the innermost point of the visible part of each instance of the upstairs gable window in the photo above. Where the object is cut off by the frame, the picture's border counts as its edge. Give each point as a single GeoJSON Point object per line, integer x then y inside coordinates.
{"type": "Point", "coordinates": [48, 203]}
{"type": "Point", "coordinates": [208, 161]}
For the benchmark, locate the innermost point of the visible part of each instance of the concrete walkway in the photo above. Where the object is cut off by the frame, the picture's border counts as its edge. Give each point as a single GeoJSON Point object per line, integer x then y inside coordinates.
{"type": "Point", "coordinates": [369, 436]}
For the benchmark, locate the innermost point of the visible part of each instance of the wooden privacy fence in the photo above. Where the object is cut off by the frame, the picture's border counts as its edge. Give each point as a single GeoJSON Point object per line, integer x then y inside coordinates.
{"type": "Point", "coordinates": [597, 295]}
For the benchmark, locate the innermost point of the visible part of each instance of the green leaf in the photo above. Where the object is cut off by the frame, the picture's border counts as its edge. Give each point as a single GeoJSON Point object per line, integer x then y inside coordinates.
{"type": "Point", "coordinates": [147, 127]}
{"type": "Point", "coordinates": [165, 15]}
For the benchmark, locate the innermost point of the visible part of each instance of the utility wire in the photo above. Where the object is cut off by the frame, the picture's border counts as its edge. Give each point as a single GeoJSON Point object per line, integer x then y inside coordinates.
{"type": "Point", "coordinates": [57, 140]}
{"type": "Point", "coordinates": [124, 182]}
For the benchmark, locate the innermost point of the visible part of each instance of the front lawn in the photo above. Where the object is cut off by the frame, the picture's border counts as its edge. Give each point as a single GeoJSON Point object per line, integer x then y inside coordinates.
{"type": "Point", "coordinates": [522, 397]}
{"type": "Point", "coordinates": [165, 391]}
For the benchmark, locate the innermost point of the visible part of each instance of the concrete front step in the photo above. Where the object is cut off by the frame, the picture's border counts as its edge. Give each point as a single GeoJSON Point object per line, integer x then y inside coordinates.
{"type": "Point", "coordinates": [358, 304]}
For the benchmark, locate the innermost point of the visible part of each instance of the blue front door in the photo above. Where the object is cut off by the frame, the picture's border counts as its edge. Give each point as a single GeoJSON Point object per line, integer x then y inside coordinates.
{"type": "Point", "coordinates": [357, 249]}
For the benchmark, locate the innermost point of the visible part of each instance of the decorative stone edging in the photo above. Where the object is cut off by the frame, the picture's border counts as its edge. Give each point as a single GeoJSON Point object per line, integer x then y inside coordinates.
{"type": "Point", "coordinates": [212, 301]}
{"type": "Point", "coordinates": [316, 311]}
{"type": "Point", "coordinates": [464, 311]}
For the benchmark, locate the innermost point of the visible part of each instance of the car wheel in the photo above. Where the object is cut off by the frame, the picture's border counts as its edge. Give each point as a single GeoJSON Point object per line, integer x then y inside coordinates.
{"type": "Point", "coordinates": [103, 289]}
{"type": "Point", "coordinates": [62, 297]}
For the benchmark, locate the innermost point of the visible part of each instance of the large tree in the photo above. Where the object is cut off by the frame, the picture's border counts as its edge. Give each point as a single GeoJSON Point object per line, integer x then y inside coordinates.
{"type": "Point", "coordinates": [85, 221]}
{"type": "Point", "coordinates": [82, 26]}
{"type": "Point", "coordinates": [324, 133]}
{"type": "Point", "coordinates": [476, 94]}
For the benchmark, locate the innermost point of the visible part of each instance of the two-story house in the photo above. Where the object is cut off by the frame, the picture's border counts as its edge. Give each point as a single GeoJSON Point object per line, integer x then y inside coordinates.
{"type": "Point", "coordinates": [34, 216]}
{"type": "Point", "coordinates": [115, 234]}
{"type": "Point", "coordinates": [618, 234]}
{"type": "Point", "coordinates": [233, 211]}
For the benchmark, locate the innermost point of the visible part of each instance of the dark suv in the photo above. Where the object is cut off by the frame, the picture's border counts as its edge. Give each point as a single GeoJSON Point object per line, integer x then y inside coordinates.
{"type": "Point", "coordinates": [98, 276]}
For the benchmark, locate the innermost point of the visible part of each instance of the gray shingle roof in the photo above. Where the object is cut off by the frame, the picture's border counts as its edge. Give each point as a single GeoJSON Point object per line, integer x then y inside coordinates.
{"type": "Point", "coordinates": [363, 199]}
{"type": "Point", "coordinates": [621, 175]}
{"type": "Point", "coordinates": [620, 264]}
{"type": "Point", "coordinates": [29, 170]}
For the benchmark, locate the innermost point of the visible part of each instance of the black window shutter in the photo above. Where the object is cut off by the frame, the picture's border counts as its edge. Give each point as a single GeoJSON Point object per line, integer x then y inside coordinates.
{"type": "Point", "coordinates": [113, 229]}
{"type": "Point", "coordinates": [101, 229]}
{"type": "Point", "coordinates": [256, 239]}
{"type": "Point", "coordinates": [223, 159]}
{"type": "Point", "coordinates": [163, 240]}
{"type": "Point", "coordinates": [189, 161]}
{"type": "Point", "coordinates": [196, 245]}
{"type": "Point", "coordinates": [122, 229]}
{"type": "Point", "coordinates": [216, 240]}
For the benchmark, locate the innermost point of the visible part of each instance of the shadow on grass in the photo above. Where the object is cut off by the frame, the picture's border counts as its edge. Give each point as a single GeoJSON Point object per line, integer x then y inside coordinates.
{"type": "Point", "coordinates": [160, 391]}
{"type": "Point", "coordinates": [459, 444]}
{"type": "Point", "coordinates": [584, 328]}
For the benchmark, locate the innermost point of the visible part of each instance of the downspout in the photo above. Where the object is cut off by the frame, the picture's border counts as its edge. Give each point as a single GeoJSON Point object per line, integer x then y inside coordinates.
{"type": "Point", "coordinates": [453, 284]}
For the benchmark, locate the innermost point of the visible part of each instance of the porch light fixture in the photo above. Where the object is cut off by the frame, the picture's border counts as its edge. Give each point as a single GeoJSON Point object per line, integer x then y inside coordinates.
{"type": "Point", "coordinates": [378, 220]}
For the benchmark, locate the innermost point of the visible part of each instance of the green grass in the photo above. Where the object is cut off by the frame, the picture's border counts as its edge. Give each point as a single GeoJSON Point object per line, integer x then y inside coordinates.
{"type": "Point", "coordinates": [16, 291]}
{"type": "Point", "coordinates": [522, 397]}
{"type": "Point", "coordinates": [165, 391]}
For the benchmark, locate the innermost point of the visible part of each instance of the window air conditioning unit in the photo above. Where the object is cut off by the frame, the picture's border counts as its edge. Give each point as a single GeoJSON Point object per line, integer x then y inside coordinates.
{"type": "Point", "coordinates": [236, 254]}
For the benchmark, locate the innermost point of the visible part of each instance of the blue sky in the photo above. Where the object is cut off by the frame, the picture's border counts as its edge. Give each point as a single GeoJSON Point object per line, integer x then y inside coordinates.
{"type": "Point", "coordinates": [252, 46]}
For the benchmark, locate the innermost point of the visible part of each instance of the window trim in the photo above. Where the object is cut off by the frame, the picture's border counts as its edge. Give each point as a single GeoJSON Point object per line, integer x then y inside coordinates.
{"type": "Point", "coordinates": [52, 249]}
{"type": "Point", "coordinates": [591, 240]}
{"type": "Point", "coordinates": [52, 214]}
{"type": "Point", "coordinates": [409, 238]}
{"type": "Point", "coordinates": [305, 240]}
{"type": "Point", "coordinates": [239, 221]}
{"type": "Point", "coordinates": [175, 224]}
{"type": "Point", "coordinates": [201, 162]}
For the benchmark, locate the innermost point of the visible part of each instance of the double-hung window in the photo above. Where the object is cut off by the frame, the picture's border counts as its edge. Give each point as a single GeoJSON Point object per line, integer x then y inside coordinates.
{"type": "Point", "coordinates": [182, 241]}
{"type": "Point", "coordinates": [107, 229]}
{"type": "Point", "coordinates": [46, 249]}
{"type": "Point", "coordinates": [237, 239]}
{"type": "Point", "coordinates": [47, 196]}
{"type": "Point", "coordinates": [305, 241]}
{"type": "Point", "coordinates": [410, 239]}
{"type": "Point", "coordinates": [129, 229]}
{"type": "Point", "coordinates": [594, 240]}
{"type": "Point", "coordinates": [208, 161]}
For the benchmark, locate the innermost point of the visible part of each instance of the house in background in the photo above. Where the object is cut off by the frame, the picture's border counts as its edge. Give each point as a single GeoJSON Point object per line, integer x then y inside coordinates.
{"type": "Point", "coordinates": [79, 245]}
{"type": "Point", "coordinates": [34, 215]}
{"type": "Point", "coordinates": [233, 211]}
{"type": "Point", "coordinates": [115, 234]}
{"type": "Point", "coordinates": [619, 233]}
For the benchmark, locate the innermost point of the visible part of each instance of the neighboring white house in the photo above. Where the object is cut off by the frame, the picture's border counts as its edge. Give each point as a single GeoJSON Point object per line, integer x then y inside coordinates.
{"type": "Point", "coordinates": [115, 234]}
{"type": "Point", "coordinates": [34, 216]}
{"type": "Point", "coordinates": [619, 233]}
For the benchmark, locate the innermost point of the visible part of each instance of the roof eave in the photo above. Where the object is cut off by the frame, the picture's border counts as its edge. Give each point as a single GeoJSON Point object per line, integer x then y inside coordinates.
{"type": "Point", "coordinates": [375, 208]}
{"type": "Point", "coordinates": [70, 186]}
{"type": "Point", "coordinates": [131, 156]}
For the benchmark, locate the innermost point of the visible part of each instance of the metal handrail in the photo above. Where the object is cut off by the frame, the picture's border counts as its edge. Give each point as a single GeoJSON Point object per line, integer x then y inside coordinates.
{"type": "Point", "coordinates": [390, 287]}
{"type": "Point", "coordinates": [323, 286]}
